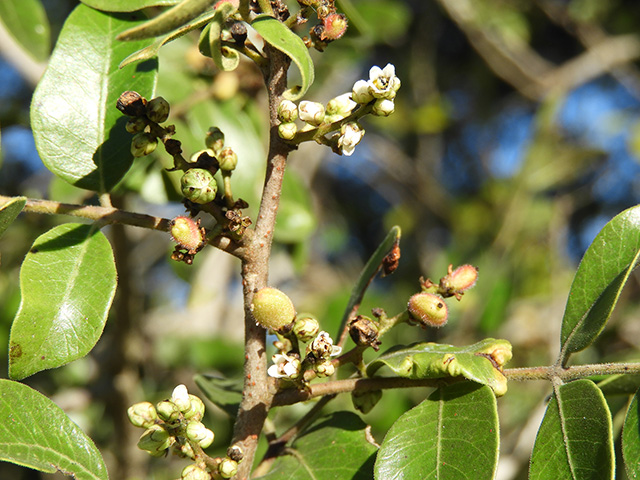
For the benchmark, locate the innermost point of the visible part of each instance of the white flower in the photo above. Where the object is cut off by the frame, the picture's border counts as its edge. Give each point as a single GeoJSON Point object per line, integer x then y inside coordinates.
{"type": "Point", "coordinates": [341, 105]}
{"type": "Point", "coordinates": [284, 366]}
{"type": "Point", "coordinates": [180, 397]}
{"type": "Point", "coordinates": [350, 135]}
{"type": "Point", "coordinates": [323, 347]}
{"type": "Point", "coordinates": [361, 93]}
{"type": "Point", "coordinates": [383, 107]}
{"type": "Point", "coordinates": [311, 112]}
{"type": "Point", "coordinates": [383, 82]}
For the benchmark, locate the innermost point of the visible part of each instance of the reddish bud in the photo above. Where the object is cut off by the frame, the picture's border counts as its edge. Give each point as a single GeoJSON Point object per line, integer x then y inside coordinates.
{"type": "Point", "coordinates": [187, 233]}
{"type": "Point", "coordinates": [335, 25]}
{"type": "Point", "coordinates": [457, 281]}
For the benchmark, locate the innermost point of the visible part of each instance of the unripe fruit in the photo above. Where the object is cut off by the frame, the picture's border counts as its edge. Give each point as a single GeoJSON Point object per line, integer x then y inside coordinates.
{"type": "Point", "coordinates": [335, 25]}
{"type": "Point", "coordinates": [272, 309]}
{"type": "Point", "coordinates": [461, 279]}
{"type": "Point", "coordinates": [199, 186]}
{"type": "Point", "coordinates": [428, 309]}
{"type": "Point", "coordinates": [187, 233]}
{"type": "Point", "coordinates": [158, 110]}
{"type": "Point", "coordinates": [228, 160]}
{"type": "Point", "coordinates": [143, 144]}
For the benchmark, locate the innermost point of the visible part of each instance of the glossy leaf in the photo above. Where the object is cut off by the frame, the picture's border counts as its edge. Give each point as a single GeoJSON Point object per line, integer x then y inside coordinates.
{"type": "Point", "coordinates": [126, 5]}
{"type": "Point", "coordinates": [575, 438]}
{"type": "Point", "coordinates": [78, 131]}
{"type": "Point", "coordinates": [434, 360]}
{"type": "Point", "coordinates": [454, 434]}
{"type": "Point", "coordinates": [36, 433]}
{"type": "Point", "coordinates": [151, 51]}
{"type": "Point", "coordinates": [9, 211]}
{"type": "Point", "coordinates": [631, 439]}
{"type": "Point", "coordinates": [225, 393]}
{"type": "Point", "coordinates": [276, 34]}
{"type": "Point", "coordinates": [602, 274]}
{"type": "Point", "coordinates": [26, 21]}
{"type": "Point", "coordinates": [225, 58]}
{"type": "Point", "coordinates": [169, 20]}
{"type": "Point", "coordinates": [332, 447]}
{"type": "Point", "coordinates": [68, 281]}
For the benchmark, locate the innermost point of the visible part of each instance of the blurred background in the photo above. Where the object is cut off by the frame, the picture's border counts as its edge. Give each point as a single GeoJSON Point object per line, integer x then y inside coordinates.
{"type": "Point", "coordinates": [516, 137]}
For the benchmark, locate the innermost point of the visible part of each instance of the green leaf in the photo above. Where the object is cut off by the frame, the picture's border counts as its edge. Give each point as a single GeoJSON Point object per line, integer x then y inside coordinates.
{"type": "Point", "coordinates": [602, 273]}
{"type": "Point", "coordinates": [621, 384]}
{"type": "Point", "coordinates": [631, 439]}
{"type": "Point", "coordinates": [330, 448]}
{"type": "Point", "coordinates": [475, 362]}
{"type": "Point", "coordinates": [78, 131]}
{"type": "Point", "coordinates": [126, 5]}
{"type": "Point", "coordinates": [575, 438]}
{"type": "Point", "coordinates": [168, 20]}
{"type": "Point", "coordinates": [68, 281]}
{"type": "Point", "coordinates": [36, 433]}
{"type": "Point", "coordinates": [223, 392]}
{"type": "Point", "coordinates": [26, 21]}
{"type": "Point", "coordinates": [9, 211]}
{"type": "Point", "coordinates": [296, 221]}
{"type": "Point", "coordinates": [152, 50]}
{"type": "Point", "coordinates": [276, 34]}
{"type": "Point", "coordinates": [451, 435]}
{"type": "Point", "coordinates": [225, 58]}
{"type": "Point", "coordinates": [368, 272]}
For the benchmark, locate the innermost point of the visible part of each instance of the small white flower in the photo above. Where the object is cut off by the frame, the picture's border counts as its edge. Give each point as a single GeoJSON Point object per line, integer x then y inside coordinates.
{"type": "Point", "coordinates": [311, 112]}
{"type": "Point", "coordinates": [284, 366]}
{"type": "Point", "coordinates": [350, 135]}
{"type": "Point", "coordinates": [341, 105]}
{"type": "Point", "coordinates": [383, 107]}
{"type": "Point", "coordinates": [323, 347]}
{"type": "Point", "coordinates": [361, 92]}
{"type": "Point", "coordinates": [180, 397]}
{"type": "Point", "coordinates": [383, 82]}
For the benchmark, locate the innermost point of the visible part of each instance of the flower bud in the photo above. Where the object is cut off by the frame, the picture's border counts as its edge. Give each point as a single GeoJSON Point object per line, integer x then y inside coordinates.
{"type": "Point", "coordinates": [214, 140]}
{"type": "Point", "coordinates": [143, 144]}
{"type": "Point", "coordinates": [168, 411]}
{"type": "Point", "coordinates": [198, 185]}
{"type": "Point", "coordinates": [457, 281]}
{"type": "Point", "coordinates": [341, 105]}
{"type": "Point", "coordinates": [324, 368]}
{"type": "Point", "coordinates": [335, 25]}
{"type": "Point", "coordinates": [350, 135]}
{"type": "Point", "coordinates": [158, 110]}
{"type": "Point", "coordinates": [272, 309]}
{"type": "Point", "coordinates": [311, 112]}
{"type": "Point", "coordinates": [196, 409]}
{"type": "Point", "coordinates": [306, 328]}
{"type": "Point", "coordinates": [136, 125]}
{"type": "Point", "coordinates": [180, 397]}
{"type": "Point", "coordinates": [142, 414]}
{"type": "Point", "coordinates": [365, 401]}
{"type": "Point", "coordinates": [132, 104]}
{"type": "Point", "coordinates": [155, 440]}
{"type": "Point", "coordinates": [287, 111]}
{"type": "Point", "coordinates": [187, 233]}
{"type": "Point", "coordinates": [228, 468]}
{"type": "Point", "coordinates": [227, 159]}
{"type": "Point", "coordinates": [361, 92]}
{"type": "Point", "coordinates": [428, 309]}
{"type": "Point", "coordinates": [194, 472]}
{"type": "Point", "coordinates": [383, 107]}
{"type": "Point", "coordinates": [185, 450]}
{"type": "Point", "coordinates": [287, 130]}
{"type": "Point", "coordinates": [197, 432]}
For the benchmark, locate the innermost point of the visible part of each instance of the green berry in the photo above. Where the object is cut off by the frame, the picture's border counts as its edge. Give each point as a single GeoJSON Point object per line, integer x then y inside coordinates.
{"type": "Point", "coordinates": [158, 110]}
{"type": "Point", "coordinates": [143, 144]}
{"type": "Point", "coordinates": [272, 309]}
{"type": "Point", "coordinates": [428, 309]}
{"type": "Point", "coordinates": [227, 159]}
{"type": "Point", "coordinates": [198, 185]}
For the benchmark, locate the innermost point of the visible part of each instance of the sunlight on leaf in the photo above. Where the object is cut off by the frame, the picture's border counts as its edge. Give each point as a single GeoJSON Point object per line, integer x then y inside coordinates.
{"type": "Point", "coordinates": [9, 211]}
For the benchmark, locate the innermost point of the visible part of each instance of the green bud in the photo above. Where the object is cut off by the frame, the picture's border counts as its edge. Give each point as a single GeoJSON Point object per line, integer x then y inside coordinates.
{"type": "Point", "coordinates": [428, 309]}
{"type": "Point", "coordinates": [196, 432]}
{"type": "Point", "coordinates": [227, 159]}
{"type": "Point", "coordinates": [215, 140]}
{"type": "Point", "coordinates": [365, 401]}
{"type": "Point", "coordinates": [287, 130]}
{"type": "Point", "coordinates": [324, 368]}
{"type": "Point", "coordinates": [287, 111]}
{"type": "Point", "coordinates": [196, 409]}
{"type": "Point", "coordinates": [198, 185]}
{"type": "Point", "coordinates": [155, 440]}
{"type": "Point", "coordinates": [383, 107]}
{"type": "Point", "coordinates": [228, 468]}
{"type": "Point", "coordinates": [143, 144]}
{"type": "Point", "coordinates": [136, 125]}
{"type": "Point", "coordinates": [272, 309]}
{"type": "Point", "coordinates": [306, 328]}
{"type": "Point", "coordinates": [168, 411]}
{"type": "Point", "coordinates": [158, 110]}
{"type": "Point", "coordinates": [194, 472]}
{"type": "Point", "coordinates": [142, 414]}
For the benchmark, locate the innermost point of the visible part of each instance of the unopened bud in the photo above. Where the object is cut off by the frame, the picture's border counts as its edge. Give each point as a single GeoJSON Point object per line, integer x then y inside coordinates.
{"type": "Point", "coordinates": [324, 368]}
{"type": "Point", "coordinates": [194, 472]}
{"type": "Point", "coordinates": [142, 414]}
{"type": "Point", "coordinates": [155, 440]}
{"type": "Point", "coordinates": [272, 308]}
{"type": "Point", "coordinates": [227, 159]}
{"type": "Point", "coordinates": [186, 232]}
{"type": "Point", "coordinates": [143, 144]}
{"type": "Point", "coordinates": [198, 185]}
{"type": "Point", "coordinates": [311, 112]}
{"type": "Point", "coordinates": [215, 140]}
{"type": "Point", "coordinates": [136, 125]}
{"type": "Point", "coordinates": [158, 110]}
{"type": "Point", "coordinates": [335, 25]}
{"type": "Point", "coordinates": [365, 401]}
{"type": "Point", "coordinates": [428, 309]}
{"type": "Point", "coordinates": [196, 409]}
{"type": "Point", "coordinates": [341, 105]}
{"type": "Point", "coordinates": [306, 328]}
{"type": "Point", "coordinates": [287, 111]}
{"type": "Point", "coordinates": [228, 468]}
{"type": "Point", "coordinates": [197, 432]}
{"type": "Point", "coordinates": [287, 130]}
{"type": "Point", "coordinates": [180, 396]}
{"type": "Point", "coordinates": [168, 411]}
{"type": "Point", "coordinates": [361, 92]}
{"type": "Point", "coordinates": [383, 107]}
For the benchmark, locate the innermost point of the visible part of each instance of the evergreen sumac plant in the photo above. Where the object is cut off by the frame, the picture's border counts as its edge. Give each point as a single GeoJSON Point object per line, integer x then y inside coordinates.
{"type": "Point", "coordinates": [99, 125]}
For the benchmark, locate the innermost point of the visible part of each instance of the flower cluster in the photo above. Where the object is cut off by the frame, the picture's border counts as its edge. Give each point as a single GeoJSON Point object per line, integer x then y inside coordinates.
{"type": "Point", "coordinates": [319, 351]}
